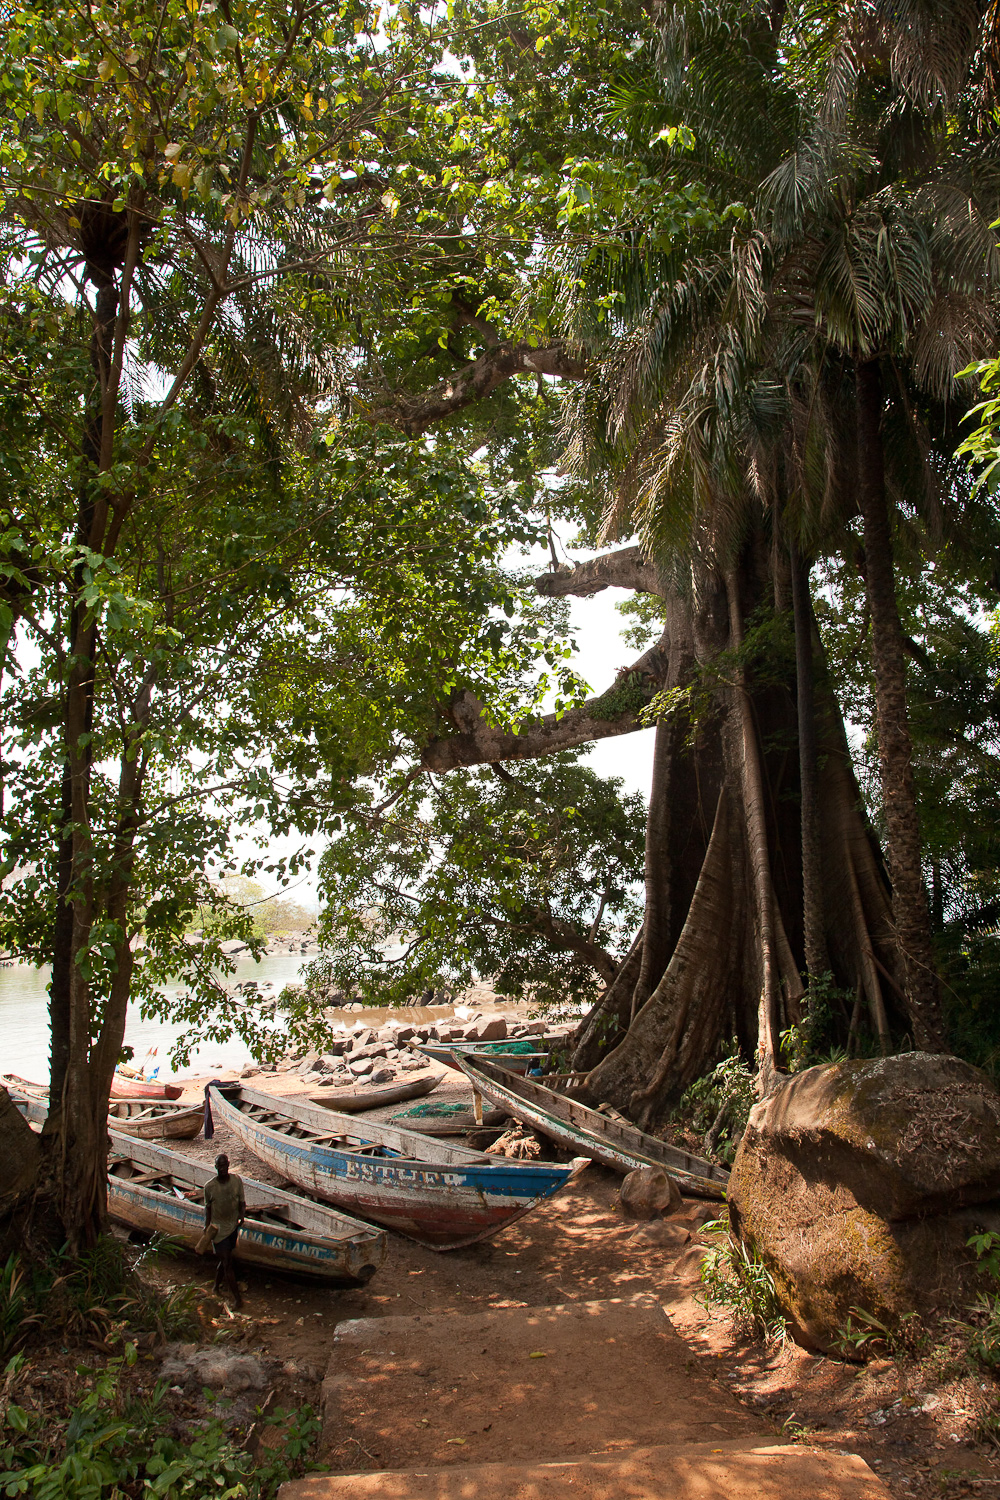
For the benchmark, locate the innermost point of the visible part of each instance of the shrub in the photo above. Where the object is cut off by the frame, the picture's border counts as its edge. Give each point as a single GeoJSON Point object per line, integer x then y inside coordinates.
{"type": "Point", "coordinates": [115, 1446]}
{"type": "Point", "coordinates": [733, 1276]}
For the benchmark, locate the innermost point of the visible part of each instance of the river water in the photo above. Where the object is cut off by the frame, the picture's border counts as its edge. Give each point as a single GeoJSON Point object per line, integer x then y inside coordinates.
{"type": "Point", "coordinates": [24, 1022]}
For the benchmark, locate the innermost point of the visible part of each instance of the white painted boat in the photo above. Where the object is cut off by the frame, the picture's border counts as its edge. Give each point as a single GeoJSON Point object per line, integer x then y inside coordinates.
{"type": "Point", "coordinates": [158, 1191]}
{"type": "Point", "coordinates": [442, 1195]}
{"type": "Point", "coordinates": [157, 1120]}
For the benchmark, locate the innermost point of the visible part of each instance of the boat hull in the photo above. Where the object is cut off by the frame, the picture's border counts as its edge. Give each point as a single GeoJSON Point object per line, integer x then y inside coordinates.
{"type": "Point", "coordinates": [356, 1101]}
{"type": "Point", "coordinates": [515, 1062]}
{"type": "Point", "coordinates": [445, 1204]}
{"type": "Point", "coordinates": [133, 1088]}
{"type": "Point", "coordinates": [566, 1121]}
{"type": "Point", "coordinates": [345, 1255]}
{"type": "Point", "coordinates": [171, 1122]}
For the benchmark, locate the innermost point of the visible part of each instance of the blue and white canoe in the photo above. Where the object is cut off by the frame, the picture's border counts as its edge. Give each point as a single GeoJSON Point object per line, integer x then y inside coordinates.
{"type": "Point", "coordinates": [442, 1195]}
{"type": "Point", "coordinates": [161, 1192]}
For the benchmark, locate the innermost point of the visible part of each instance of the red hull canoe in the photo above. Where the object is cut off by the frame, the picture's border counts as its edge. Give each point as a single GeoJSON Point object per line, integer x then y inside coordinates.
{"type": "Point", "coordinates": [134, 1088]}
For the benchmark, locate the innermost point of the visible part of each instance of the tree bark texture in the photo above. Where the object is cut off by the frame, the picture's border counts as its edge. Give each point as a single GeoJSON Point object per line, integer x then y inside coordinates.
{"type": "Point", "coordinates": [910, 909]}
{"type": "Point", "coordinates": [814, 943]}
{"type": "Point", "coordinates": [724, 852]}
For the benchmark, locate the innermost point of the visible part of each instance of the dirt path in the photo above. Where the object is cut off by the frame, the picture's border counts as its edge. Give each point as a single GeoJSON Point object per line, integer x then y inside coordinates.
{"type": "Point", "coordinates": [917, 1431]}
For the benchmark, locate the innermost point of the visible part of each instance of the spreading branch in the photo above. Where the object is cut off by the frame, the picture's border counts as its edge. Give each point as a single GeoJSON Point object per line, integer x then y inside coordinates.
{"type": "Point", "coordinates": [413, 414]}
{"type": "Point", "coordinates": [627, 569]}
{"type": "Point", "coordinates": [616, 711]}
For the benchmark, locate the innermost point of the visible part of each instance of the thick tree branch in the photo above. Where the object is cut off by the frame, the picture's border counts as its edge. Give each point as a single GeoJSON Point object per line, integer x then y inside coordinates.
{"type": "Point", "coordinates": [413, 414]}
{"type": "Point", "coordinates": [627, 569]}
{"type": "Point", "coordinates": [616, 711]}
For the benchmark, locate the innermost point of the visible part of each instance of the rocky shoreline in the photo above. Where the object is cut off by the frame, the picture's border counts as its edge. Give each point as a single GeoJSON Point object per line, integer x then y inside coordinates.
{"type": "Point", "coordinates": [369, 1055]}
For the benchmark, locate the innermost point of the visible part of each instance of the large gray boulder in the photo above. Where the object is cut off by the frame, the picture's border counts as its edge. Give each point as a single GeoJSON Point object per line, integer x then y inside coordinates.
{"type": "Point", "coordinates": [859, 1184]}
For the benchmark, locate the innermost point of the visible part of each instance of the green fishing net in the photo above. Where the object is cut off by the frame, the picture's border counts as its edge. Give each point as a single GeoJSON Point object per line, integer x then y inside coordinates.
{"type": "Point", "coordinates": [434, 1109]}
{"type": "Point", "coordinates": [519, 1047]}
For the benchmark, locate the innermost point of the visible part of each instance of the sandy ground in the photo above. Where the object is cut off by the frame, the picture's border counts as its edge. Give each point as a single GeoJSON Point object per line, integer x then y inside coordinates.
{"type": "Point", "coordinates": [914, 1422]}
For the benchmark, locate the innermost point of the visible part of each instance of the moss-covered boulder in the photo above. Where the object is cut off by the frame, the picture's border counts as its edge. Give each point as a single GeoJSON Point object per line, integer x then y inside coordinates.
{"type": "Point", "coordinates": [859, 1184]}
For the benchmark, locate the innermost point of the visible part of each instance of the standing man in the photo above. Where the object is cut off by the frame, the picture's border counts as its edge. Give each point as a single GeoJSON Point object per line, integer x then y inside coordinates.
{"type": "Point", "coordinates": [225, 1207]}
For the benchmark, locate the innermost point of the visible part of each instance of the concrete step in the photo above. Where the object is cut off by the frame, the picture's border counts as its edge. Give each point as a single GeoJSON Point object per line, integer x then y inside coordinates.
{"type": "Point", "coordinates": [514, 1385]}
{"type": "Point", "coordinates": [704, 1471]}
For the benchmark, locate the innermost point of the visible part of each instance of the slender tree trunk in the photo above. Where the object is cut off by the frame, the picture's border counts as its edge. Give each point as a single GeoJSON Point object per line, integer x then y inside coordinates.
{"type": "Point", "coordinates": [814, 926]}
{"type": "Point", "coordinates": [768, 1042]}
{"type": "Point", "coordinates": [658, 939]}
{"type": "Point", "coordinates": [909, 897]}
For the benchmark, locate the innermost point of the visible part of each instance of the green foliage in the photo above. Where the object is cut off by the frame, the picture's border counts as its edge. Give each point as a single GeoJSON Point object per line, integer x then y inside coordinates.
{"type": "Point", "coordinates": [811, 1041]}
{"type": "Point", "coordinates": [114, 1445]}
{"type": "Point", "coordinates": [528, 879]}
{"type": "Point", "coordinates": [734, 1277]}
{"type": "Point", "coordinates": [719, 1103]}
{"type": "Point", "coordinates": [904, 1335]}
{"type": "Point", "coordinates": [984, 1341]}
{"type": "Point", "coordinates": [99, 1294]}
{"type": "Point", "coordinates": [16, 1318]}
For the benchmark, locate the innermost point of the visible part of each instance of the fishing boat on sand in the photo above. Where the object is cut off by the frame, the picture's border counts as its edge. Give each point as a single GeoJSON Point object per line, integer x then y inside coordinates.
{"type": "Point", "coordinates": [159, 1120]}
{"type": "Point", "coordinates": [138, 1088]}
{"type": "Point", "coordinates": [442, 1195]}
{"type": "Point", "coordinates": [517, 1054]}
{"type": "Point", "coordinates": [613, 1142]}
{"type": "Point", "coordinates": [376, 1096]}
{"type": "Point", "coordinates": [157, 1191]}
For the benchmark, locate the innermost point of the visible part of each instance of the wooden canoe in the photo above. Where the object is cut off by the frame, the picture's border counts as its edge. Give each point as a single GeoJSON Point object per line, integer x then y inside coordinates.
{"type": "Point", "coordinates": [157, 1191]}
{"type": "Point", "coordinates": [376, 1096]}
{"type": "Point", "coordinates": [442, 1195]}
{"type": "Point", "coordinates": [517, 1054]}
{"type": "Point", "coordinates": [136, 1088]}
{"type": "Point", "coordinates": [160, 1121]}
{"type": "Point", "coordinates": [612, 1142]}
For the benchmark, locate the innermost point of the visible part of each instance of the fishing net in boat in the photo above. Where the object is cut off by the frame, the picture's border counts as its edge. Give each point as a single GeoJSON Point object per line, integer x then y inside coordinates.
{"type": "Point", "coordinates": [421, 1111]}
{"type": "Point", "coordinates": [520, 1047]}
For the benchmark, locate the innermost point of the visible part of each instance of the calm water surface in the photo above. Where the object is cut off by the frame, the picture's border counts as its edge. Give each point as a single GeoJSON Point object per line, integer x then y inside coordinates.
{"type": "Point", "coordinates": [24, 1022]}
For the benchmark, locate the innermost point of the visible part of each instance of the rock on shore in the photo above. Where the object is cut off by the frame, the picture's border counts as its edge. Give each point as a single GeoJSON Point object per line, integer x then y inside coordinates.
{"type": "Point", "coordinates": [859, 1185]}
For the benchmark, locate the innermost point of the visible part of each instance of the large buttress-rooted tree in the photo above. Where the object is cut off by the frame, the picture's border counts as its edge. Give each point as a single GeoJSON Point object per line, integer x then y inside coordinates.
{"type": "Point", "coordinates": [722, 945]}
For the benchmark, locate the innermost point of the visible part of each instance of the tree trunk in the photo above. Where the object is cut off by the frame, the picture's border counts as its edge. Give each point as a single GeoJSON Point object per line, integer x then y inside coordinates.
{"type": "Point", "coordinates": [909, 898]}
{"type": "Point", "coordinates": [814, 941]}
{"type": "Point", "coordinates": [728, 852]}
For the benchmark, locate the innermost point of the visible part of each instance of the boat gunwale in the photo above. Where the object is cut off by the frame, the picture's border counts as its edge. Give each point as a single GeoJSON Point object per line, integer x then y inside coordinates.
{"type": "Point", "coordinates": [468, 1161]}
{"type": "Point", "coordinates": [715, 1177]}
{"type": "Point", "coordinates": [356, 1231]}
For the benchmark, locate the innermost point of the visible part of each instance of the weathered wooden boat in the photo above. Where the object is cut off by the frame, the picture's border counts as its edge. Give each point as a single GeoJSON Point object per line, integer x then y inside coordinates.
{"type": "Point", "coordinates": [137, 1088]}
{"type": "Point", "coordinates": [23, 1086]}
{"type": "Point", "coordinates": [612, 1142]}
{"type": "Point", "coordinates": [517, 1054]}
{"type": "Point", "coordinates": [442, 1195]}
{"type": "Point", "coordinates": [376, 1096]}
{"type": "Point", "coordinates": [159, 1121]}
{"type": "Point", "coordinates": [158, 1191]}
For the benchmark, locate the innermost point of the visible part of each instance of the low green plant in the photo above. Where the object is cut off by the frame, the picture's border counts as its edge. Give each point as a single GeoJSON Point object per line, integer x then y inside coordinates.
{"type": "Point", "coordinates": [97, 1295]}
{"type": "Point", "coordinates": [984, 1331]}
{"type": "Point", "coordinates": [717, 1105]}
{"type": "Point", "coordinates": [115, 1446]}
{"type": "Point", "coordinates": [733, 1276]}
{"type": "Point", "coordinates": [16, 1318]}
{"type": "Point", "coordinates": [904, 1335]}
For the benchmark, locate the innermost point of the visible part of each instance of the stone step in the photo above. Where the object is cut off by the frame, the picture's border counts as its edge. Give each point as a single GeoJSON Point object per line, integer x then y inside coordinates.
{"type": "Point", "coordinates": [513, 1385]}
{"type": "Point", "coordinates": [704, 1471]}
